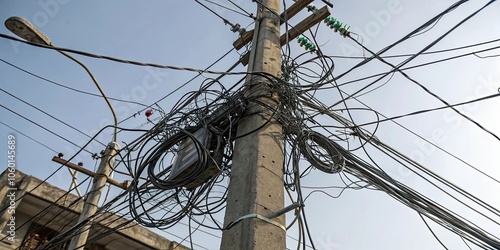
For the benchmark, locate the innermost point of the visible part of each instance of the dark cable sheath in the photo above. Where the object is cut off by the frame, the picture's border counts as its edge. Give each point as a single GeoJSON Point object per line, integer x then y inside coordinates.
{"type": "Point", "coordinates": [426, 24]}
{"type": "Point", "coordinates": [29, 137]}
{"type": "Point", "coordinates": [425, 88]}
{"type": "Point", "coordinates": [47, 114]}
{"type": "Point", "coordinates": [397, 68]}
{"type": "Point", "coordinates": [66, 87]}
{"type": "Point", "coordinates": [44, 128]}
{"type": "Point", "coordinates": [433, 234]}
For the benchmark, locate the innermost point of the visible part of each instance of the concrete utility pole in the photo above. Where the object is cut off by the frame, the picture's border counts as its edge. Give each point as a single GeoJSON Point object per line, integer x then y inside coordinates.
{"type": "Point", "coordinates": [256, 184]}
{"type": "Point", "coordinates": [92, 199]}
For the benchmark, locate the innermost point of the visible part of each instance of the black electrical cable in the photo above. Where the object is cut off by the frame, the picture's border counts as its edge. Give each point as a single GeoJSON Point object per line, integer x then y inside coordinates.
{"type": "Point", "coordinates": [442, 213]}
{"type": "Point", "coordinates": [433, 144]}
{"type": "Point", "coordinates": [409, 35]}
{"type": "Point", "coordinates": [239, 7]}
{"type": "Point", "coordinates": [47, 114]}
{"type": "Point", "coordinates": [87, 54]}
{"type": "Point", "coordinates": [227, 8]}
{"type": "Point", "coordinates": [425, 88]}
{"type": "Point", "coordinates": [397, 68]}
{"type": "Point", "coordinates": [431, 110]}
{"type": "Point", "coordinates": [215, 13]}
{"type": "Point", "coordinates": [409, 67]}
{"type": "Point", "coordinates": [29, 137]}
{"type": "Point", "coordinates": [190, 80]}
{"type": "Point", "coordinates": [433, 234]}
{"type": "Point", "coordinates": [187, 112]}
{"type": "Point", "coordinates": [66, 87]}
{"type": "Point", "coordinates": [424, 53]}
{"type": "Point", "coordinates": [44, 128]}
{"type": "Point", "coordinates": [473, 198]}
{"type": "Point", "coordinates": [60, 167]}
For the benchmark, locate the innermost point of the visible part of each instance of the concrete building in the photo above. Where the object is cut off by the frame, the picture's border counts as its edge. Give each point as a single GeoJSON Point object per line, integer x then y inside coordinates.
{"type": "Point", "coordinates": [56, 211]}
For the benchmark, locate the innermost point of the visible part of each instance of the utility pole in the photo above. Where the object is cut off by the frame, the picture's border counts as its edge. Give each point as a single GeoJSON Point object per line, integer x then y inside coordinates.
{"type": "Point", "coordinates": [256, 183]}
{"type": "Point", "coordinates": [92, 199]}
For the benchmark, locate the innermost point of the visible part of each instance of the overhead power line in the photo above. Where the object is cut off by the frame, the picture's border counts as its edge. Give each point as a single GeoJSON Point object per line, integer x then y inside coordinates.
{"type": "Point", "coordinates": [49, 115]}
{"type": "Point", "coordinates": [66, 87]}
{"type": "Point", "coordinates": [44, 128]}
{"type": "Point", "coordinates": [156, 200]}
{"type": "Point", "coordinates": [29, 137]}
{"type": "Point", "coordinates": [397, 68]}
{"type": "Point", "coordinates": [409, 35]}
{"type": "Point", "coordinates": [154, 65]}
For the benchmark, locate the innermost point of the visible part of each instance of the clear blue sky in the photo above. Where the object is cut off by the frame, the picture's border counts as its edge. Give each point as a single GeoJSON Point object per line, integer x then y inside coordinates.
{"type": "Point", "coordinates": [183, 33]}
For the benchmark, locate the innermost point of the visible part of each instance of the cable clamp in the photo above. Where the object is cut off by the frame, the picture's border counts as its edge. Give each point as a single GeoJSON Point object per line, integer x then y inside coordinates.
{"type": "Point", "coordinates": [100, 175]}
{"type": "Point", "coordinates": [257, 216]}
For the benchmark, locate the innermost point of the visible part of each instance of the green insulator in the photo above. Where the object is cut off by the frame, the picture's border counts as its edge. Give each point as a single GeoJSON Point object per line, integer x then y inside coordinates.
{"type": "Point", "coordinates": [332, 21]}
{"type": "Point", "coordinates": [302, 40]}
{"type": "Point", "coordinates": [337, 25]}
{"type": "Point", "coordinates": [311, 8]}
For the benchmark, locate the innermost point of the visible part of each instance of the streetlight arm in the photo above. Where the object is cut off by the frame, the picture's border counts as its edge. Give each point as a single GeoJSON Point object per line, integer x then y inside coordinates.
{"type": "Point", "coordinates": [24, 29]}
{"type": "Point", "coordinates": [29, 32]}
{"type": "Point", "coordinates": [100, 90]}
